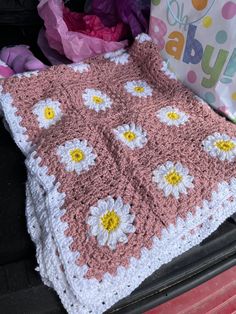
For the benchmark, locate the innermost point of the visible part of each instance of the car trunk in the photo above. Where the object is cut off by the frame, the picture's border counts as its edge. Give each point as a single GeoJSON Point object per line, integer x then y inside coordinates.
{"type": "Point", "coordinates": [21, 289]}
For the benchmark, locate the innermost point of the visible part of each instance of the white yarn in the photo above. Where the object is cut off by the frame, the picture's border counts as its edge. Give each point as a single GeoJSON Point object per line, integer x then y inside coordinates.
{"type": "Point", "coordinates": [81, 295]}
{"type": "Point", "coordinates": [175, 240]}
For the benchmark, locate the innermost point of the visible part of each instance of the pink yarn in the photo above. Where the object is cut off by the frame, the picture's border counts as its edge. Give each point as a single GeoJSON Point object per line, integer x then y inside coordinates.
{"type": "Point", "coordinates": [90, 103]}
{"type": "Point", "coordinates": [135, 186]}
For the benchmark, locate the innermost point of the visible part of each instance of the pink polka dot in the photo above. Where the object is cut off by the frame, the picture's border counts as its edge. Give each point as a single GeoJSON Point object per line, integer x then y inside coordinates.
{"type": "Point", "coordinates": [192, 77]}
{"type": "Point", "coordinates": [229, 10]}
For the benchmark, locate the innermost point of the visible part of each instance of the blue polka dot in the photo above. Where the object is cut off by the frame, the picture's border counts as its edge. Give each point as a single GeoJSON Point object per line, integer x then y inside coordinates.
{"type": "Point", "coordinates": [226, 80]}
{"type": "Point", "coordinates": [221, 37]}
{"type": "Point", "coordinates": [209, 97]}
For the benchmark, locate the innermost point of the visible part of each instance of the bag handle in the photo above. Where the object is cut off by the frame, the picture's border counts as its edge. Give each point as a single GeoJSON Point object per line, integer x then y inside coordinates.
{"type": "Point", "coordinates": [184, 23]}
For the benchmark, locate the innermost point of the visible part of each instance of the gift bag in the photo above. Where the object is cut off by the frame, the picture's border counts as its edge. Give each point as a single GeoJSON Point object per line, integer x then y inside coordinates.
{"type": "Point", "coordinates": [198, 38]}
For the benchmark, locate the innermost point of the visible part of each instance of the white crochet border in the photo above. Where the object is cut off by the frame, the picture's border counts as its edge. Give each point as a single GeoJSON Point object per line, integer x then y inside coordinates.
{"type": "Point", "coordinates": [91, 295]}
{"type": "Point", "coordinates": [48, 261]}
{"type": "Point", "coordinates": [175, 240]}
{"type": "Point", "coordinates": [13, 120]}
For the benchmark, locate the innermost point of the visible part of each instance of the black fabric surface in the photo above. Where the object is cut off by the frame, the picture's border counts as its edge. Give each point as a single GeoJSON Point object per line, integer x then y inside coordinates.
{"type": "Point", "coordinates": [20, 24]}
{"type": "Point", "coordinates": [18, 12]}
{"type": "Point", "coordinates": [15, 242]}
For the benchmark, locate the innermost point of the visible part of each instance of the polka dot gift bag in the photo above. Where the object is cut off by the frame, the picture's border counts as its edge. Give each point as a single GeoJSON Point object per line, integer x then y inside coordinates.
{"type": "Point", "coordinates": [198, 39]}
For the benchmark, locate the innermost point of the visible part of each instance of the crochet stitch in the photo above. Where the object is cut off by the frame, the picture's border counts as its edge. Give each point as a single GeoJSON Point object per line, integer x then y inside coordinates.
{"type": "Point", "coordinates": [126, 170]}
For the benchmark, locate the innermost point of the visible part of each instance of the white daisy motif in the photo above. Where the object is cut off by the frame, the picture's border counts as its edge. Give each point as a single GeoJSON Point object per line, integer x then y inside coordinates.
{"type": "Point", "coordinates": [173, 179]}
{"type": "Point", "coordinates": [48, 112]}
{"type": "Point", "coordinates": [80, 67]}
{"type": "Point", "coordinates": [221, 146]}
{"type": "Point", "coordinates": [138, 88]}
{"type": "Point", "coordinates": [131, 135]}
{"type": "Point", "coordinates": [96, 100]}
{"type": "Point", "coordinates": [76, 155]}
{"type": "Point", "coordinates": [172, 116]}
{"type": "Point", "coordinates": [143, 37]}
{"type": "Point", "coordinates": [27, 74]}
{"type": "Point", "coordinates": [110, 220]}
{"type": "Point", "coordinates": [119, 57]}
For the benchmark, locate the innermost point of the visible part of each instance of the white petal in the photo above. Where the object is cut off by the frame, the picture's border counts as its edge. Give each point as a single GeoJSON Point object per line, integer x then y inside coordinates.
{"type": "Point", "coordinates": [102, 237]}
{"type": "Point", "coordinates": [112, 240]}
{"type": "Point", "coordinates": [169, 165]}
{"type": "Point", "coordinates": [102, 205]}
{"type": "Point", "coordinates": [110, 203]}
{"type": "Point", "coordinates": [128, 228]}
{"type": "Point", "coordinates": [123, 238]}
{"type": "Point", "coordinates": [126, 209]}
{"type": "Point", "coordinates": [92, 220]}
{"type": "Point", "coordinates": [95, 230]}
{"type": "Point", "coordinates": [175, 192]}
{"type": "Point", "coordinates": [118, 203]}
{"type": "Point", "coordinates": [167, 190]}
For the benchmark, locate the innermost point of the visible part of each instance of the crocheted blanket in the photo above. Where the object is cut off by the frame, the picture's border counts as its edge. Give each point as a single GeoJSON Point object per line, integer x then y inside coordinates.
{"type": "Point", "coordinates": [126, 170]}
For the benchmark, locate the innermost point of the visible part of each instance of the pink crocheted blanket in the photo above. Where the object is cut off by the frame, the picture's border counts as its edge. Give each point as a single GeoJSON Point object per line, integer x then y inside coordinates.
{"type": "Point", "coordinates": [126, 170]}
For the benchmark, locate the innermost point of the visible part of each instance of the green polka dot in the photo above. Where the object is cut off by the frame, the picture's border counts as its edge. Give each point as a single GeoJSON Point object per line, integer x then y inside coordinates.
{"type": "Point", "coordinates": [156, 2]}
{"type": "Point", "coordinates": [221, 37]}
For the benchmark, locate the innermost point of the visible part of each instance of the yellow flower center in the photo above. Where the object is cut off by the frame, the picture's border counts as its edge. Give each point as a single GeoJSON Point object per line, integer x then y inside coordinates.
{"type": "Point", "coordinates": [77, 155]}
{"type": "Point", "coordinates": [97, 100]}
{"type": "Point", "coordinates": [49, 113]}
{"type": "Point", "coordinates": [173, 177]}
{"type": "Point", "coordinates": [226, 146]}
{"type": "Point", "coordinates": [110, 221]}
{"type": "Point", "coordinates": [173, 115]}
{"type": "Point", "coordinates": [139, 89]}
{"type": "Point", "coordinates": [129, 136]}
